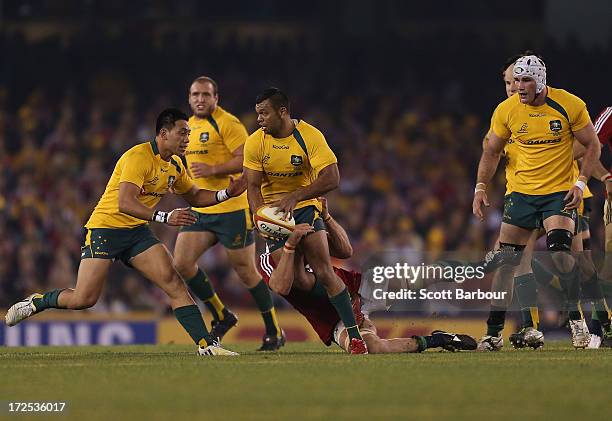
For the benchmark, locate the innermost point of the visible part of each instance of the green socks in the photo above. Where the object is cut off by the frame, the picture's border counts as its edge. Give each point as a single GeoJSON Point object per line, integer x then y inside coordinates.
{"type": "Point", "coordinates": [203, 289]}
{"type": "Point", "coordinates": [342, 304]}
{"type": "Point", "coordinates": [191, 320]}
{"type": "Point", "coordinates": [47, 300]}
{"type": "Point", "coordinates": [496, 321]}
{"type": "Point", "coordinates": [263, 299]}
{"type": "Point", "coordinates": [526, 292]}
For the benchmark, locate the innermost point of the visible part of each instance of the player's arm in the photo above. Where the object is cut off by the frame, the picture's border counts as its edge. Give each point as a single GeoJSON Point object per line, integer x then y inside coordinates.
{"type": "Point", "coordinates": [327, 180]}
{"type": "Point", "coordinates": [599, 171]}
{"type": "Point", "coordinates": [201, 197]}
{"type": "Point", "coordinates": [130, 205]}
{"type": "Point", "coordinates": [339, 243]}
{"type": "Point", "coordinates": [493, 148]}
{"type": "Point", "coordinates": [282, 277]}
{"type": "Point", "coordinates": [233, 166]}
{"type": "Point", "coordinates": [253, 180]}
{"type": "Point", "coordinates": [588, 139]}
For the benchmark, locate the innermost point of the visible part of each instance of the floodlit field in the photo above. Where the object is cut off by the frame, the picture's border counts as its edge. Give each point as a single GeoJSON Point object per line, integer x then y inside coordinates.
{"type": "Point", "coordinates": [307, 381]}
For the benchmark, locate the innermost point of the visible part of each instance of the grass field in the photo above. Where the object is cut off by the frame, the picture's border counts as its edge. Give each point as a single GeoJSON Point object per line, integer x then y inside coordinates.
{"type": "Point", "coordinates": [308, 381]}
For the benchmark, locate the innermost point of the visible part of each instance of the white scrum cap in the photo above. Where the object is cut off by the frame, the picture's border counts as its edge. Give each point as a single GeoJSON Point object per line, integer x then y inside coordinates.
{"type": "Point", "coordinates": [533, 67]}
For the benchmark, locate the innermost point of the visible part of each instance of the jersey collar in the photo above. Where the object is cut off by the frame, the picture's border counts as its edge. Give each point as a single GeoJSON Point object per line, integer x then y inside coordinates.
{"type": "Point", "coordinates": [154, 147]}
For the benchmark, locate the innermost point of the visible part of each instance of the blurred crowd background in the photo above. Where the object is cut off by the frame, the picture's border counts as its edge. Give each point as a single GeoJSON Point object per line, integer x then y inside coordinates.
{"type": "Point", "coordinates": [403, 94]}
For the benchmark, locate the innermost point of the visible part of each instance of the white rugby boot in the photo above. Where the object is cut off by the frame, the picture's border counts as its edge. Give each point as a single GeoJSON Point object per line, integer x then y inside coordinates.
{"type": "Point", "coordinates": [21, 310]}
{"type": "Point", "coordinates": [490, 343]}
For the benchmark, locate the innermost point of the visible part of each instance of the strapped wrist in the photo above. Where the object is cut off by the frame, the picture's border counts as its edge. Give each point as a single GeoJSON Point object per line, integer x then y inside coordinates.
{"type": "Point", "coordinates": [160, 216]}
{"type": "Point", "coordinates": [606, 177]}
{"type": "Point", "coordinates": [222, 195]}
{"type": "Point", "coordinates": [580, 184]}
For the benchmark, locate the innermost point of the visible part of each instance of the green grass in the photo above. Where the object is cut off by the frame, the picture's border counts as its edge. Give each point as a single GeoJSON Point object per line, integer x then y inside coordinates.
{"type": "Point", "coordinates": [308, 381]}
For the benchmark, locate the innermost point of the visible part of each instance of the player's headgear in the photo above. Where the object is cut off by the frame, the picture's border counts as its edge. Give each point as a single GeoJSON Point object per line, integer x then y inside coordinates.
{"type": "Point", "coordinates": [533, 67]}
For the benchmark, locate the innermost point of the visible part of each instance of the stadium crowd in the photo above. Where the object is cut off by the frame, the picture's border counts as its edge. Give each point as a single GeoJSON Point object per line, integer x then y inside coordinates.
{"type": "Point", "coordinates": [408, 140]}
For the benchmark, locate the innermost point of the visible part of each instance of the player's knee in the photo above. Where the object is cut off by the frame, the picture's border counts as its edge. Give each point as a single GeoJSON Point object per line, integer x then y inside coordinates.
{"type": "Point", "coordinates": [559, 240]}
{"type": "Point", "coordinates": [247, 272]}
{"type": "Point", "coordinates": [324, 273]}
{"type": "Point", "coordinates": [183, 266]}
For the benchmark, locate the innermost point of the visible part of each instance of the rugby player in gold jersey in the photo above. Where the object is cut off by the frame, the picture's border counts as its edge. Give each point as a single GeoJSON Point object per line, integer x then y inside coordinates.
{"type": "Point", "coordinates": [543, 123]}
{"type": "Point", "coordinates": [118, 229]}
{"type": "Point", "coordinates": [214, 154]}
{"type": "Point", "coordinates": [288, 164]}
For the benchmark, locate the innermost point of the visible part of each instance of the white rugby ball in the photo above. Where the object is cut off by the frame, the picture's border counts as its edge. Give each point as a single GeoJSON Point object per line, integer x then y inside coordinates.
{"type": "Point", "coordinates": [270, 224]}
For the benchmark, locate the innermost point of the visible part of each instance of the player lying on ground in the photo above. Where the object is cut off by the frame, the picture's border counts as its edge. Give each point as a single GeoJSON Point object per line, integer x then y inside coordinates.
{"type": "Point", "coordinates": [119, 229]}
{"type": "Point", "coordinates": [306, 294]}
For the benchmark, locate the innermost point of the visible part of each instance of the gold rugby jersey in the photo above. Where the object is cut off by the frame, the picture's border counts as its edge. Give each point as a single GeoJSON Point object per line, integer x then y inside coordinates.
{"type": "Point", "coordinates": [212, 141]}
{"type": "Point", "coordinates": [288, 163]}
{"type": "Point", "coordinates": [540, 140]}
{"type": "Point", "coordinates": [140, 165]}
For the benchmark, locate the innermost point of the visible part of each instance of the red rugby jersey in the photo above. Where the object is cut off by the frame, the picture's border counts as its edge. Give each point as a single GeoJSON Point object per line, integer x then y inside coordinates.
{"type": "Point", "coordinates": [603, 127]}
{"type": "Point", "coordinates": [319, 312]}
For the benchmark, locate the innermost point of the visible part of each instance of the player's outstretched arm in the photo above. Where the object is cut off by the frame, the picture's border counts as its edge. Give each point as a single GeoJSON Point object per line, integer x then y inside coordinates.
{"type": "Point", "coordinates": [587, 137]}
{"type": "Point", "coordinates": [339, 243]}
{"type": "Point", "coordinates": [130, 205]}
{"type": "Point", "coordinates": [201, 198]}
{"type": "Point", "coordinates": [253, 180]}
{"type": "Point", "coordinates": [327, 180]}
{"type": "Point", "coordinates": [282, 277]}
{"type": "Point", "coordinates": [233, 166]}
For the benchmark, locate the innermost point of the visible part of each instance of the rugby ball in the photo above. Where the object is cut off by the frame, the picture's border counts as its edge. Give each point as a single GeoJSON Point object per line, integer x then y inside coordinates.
{"type": "Point", "coordinates": [270, 224]}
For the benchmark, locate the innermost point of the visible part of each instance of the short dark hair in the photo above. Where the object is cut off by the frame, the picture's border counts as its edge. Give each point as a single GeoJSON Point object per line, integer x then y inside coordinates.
{"type": "Point", "coordinates": [204, 79]}
{"type": "Point", "coordinates": [277, 98]}
{"type": "Point", "coordinates": [512, 59]}
{"type": "Point", "coordinates": [167, 118]}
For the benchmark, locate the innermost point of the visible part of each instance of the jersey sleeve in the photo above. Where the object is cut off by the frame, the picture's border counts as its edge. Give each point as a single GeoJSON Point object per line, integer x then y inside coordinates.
{"type": "Point", "coordinates": [499, 124]}
{"type": "Point", "coordinates": [580, 117]}
{"type": "Point", "coordinates": [183, 182]}
{"type": "Point", "coordinates": [252, 152]}
{"type": "Point", "coordinates": [133, 168]}
{"type": "Point", "coordinates": [319, 152]}
{"type": "Point", "coordinates": [234, 133]}
{"type": "Point", "coordinates": [603, 126]}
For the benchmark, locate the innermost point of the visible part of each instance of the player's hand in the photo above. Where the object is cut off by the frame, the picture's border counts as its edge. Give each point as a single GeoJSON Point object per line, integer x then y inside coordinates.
{"type": "Point", "coordinates": [200, 170]}
{"type": "Point", "coordinates": [236, 186]}
{"type": "Point", "coordinates": [181, 217]}
{"type": "Point", "coordinates": [286, 205]}
{"type": "Point", "coordinates": [299, 231]}
{"type": "Point", "coordinates": [480, 198]}
{"type": "Point", "coordinates": [324, 208]}
{"type": "Point", "coordinates": [573, 198]}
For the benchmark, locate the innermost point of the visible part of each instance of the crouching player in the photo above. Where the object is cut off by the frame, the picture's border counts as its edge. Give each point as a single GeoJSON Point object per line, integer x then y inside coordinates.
{"type": "Point", "coordinates": [118, 229]}
{"type": "Point", "coordinates": [291, 278]}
